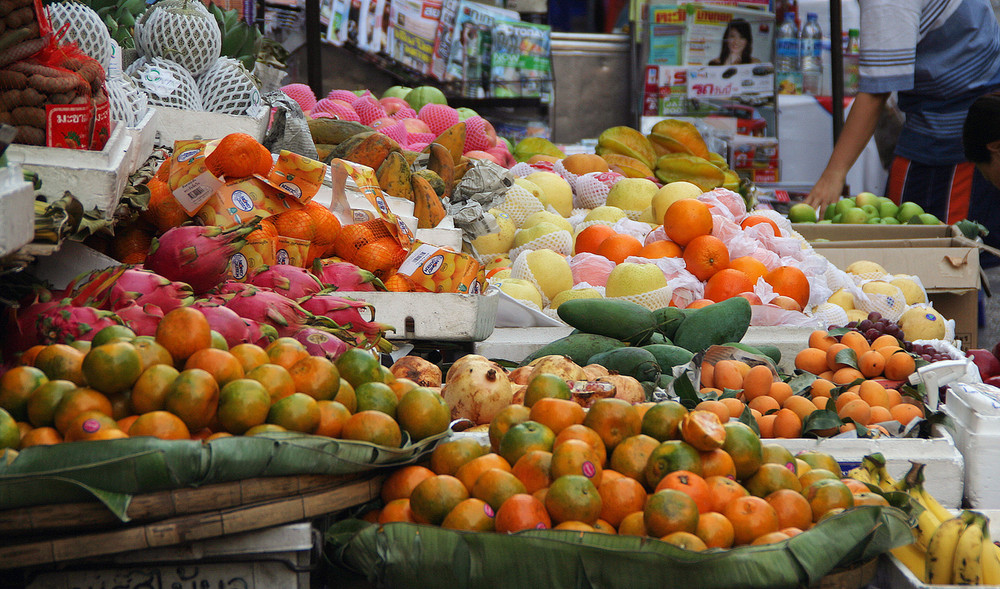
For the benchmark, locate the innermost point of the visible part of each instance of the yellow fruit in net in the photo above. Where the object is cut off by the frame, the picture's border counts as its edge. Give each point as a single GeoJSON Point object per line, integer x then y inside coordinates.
{"type": "Point", "coordinates": [629, 279]}
{"type": "Point", "coordinates": [575, 293]}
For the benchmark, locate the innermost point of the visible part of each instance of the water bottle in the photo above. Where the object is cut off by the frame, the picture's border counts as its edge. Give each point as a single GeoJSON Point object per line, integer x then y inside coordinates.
{"type": "Point", "coordinates": [810, 60]}
{"type": "Point", "coordinates": [852, 59]}
{"type": "Point", "coordinates": [787, 46]}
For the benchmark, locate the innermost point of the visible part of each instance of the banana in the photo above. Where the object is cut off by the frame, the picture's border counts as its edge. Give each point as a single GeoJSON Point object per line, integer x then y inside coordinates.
{"type": "Point", "coordinates": [914, 559]}
{"type": "Point", "coordinates": [927, 524]}
{"type": "Point", "coordinates": [991, 562]}
{"type": "Point", "coordinates": [860, 473]}
{"type": "Point", "coordinates": [967, 567]}
{"type": "Point", "coordinates": [941, 550]}
{"type": "Point", "coordinates": [931, 503]}
{"type": "Point", "coordinates": [885, 480]}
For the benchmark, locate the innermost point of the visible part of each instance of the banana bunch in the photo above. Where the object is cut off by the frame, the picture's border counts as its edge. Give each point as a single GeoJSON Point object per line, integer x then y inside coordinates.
{"type": "Point", "coordinates": [240, 40]}
{"type": "Point", "coordinates": [872, 471]}
{"type": "Point", "coordinates": [119, 16]}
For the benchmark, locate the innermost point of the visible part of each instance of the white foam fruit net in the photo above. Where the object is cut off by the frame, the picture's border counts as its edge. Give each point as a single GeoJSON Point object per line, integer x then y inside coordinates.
{"type": "Point", "coordinates": [566, 175]}
{"type": "Point", "coordinates": [227, 87]}
{"type": "Point", "coordinates": [128, 102]}
{"type": "Point", "coordinates": [519, 269]}
{"type": "Point", "coordinates": [187, 34]}
{"type": "Point", "coordinates": [890, 306]}
{"type": "Point", "coordinates": [560, 242]}
{"type": "Point", "coordinates": [166, 83]}
{"type": "Point", "coordinates": [519, 204]}
{"type": "Point", "coordinates": [652, 300]}
{"type": "Point", "coordinates": [592, 188]}
{"type": "Point", "coordinates": [830, 314]}
{"type": "Point", "coordinates": [86, 29]}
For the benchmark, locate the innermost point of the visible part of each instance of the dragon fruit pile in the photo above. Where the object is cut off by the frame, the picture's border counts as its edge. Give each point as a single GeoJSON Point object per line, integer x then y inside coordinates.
{"type": "Point", "coordinates": [277, 301]}
{"type": "Point", "coordinates": [394, 117]}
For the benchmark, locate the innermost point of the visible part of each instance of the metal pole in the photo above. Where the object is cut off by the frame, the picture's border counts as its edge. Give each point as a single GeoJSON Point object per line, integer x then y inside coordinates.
{"type": "Point", "coordinates": [837, 67]}
{"type": "Point", "coordinates": [314, 65]}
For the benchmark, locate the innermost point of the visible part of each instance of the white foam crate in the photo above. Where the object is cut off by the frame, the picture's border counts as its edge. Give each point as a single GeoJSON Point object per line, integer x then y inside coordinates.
{"type": "Point", "coordinates": [977, 437]}
{"type": "Point", "coordinates": [275, 557]}
{"type": "Point", "coordinates": [443, 316]}
{"type": "Point", "coordinates": [176, 124]}
{"type": "Point", "coordinates": [17, 210]}
{"type": "Point", "coordinates": [944, 472]}
{"type": "Point", "coordinates": [143, 136]}
{"type": "Point", "coordinates": [95, 178]}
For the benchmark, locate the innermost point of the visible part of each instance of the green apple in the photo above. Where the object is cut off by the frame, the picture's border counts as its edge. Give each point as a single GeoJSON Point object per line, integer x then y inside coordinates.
{"type": "Point", "coordinates": [465, 112]}
{"type": "Point", "coordinates": [396, 92]}
{"type": "Point", "coordinates": [907, 211]}
{"type": "Point", "coordinates": [844, 204]}
{"type": "Point", "coordinates": [801, 213]}
{"type": "Point", "coordinates": [829, 212]}
{"type": "Point", "coordinates": [875, 220]}
{"type": "Point", "coordinates": [865, 198]}
{"type": "Point", "coordinates": [422, 95]}
{"type": "Point", "coordinates": [854, 215]}
{"type": "Point", "coordinates": [838, 218]}
{"type": "Point", "coordinates": [825, 222]}
{"type": "Point", "coordinates": [928, 219]}
{"type": "Point", "coordinates": [887, 209]}
{"type": "Point", "coordinates": [871, 210]}
{"type": "Point", "coordinates": [890, 221]}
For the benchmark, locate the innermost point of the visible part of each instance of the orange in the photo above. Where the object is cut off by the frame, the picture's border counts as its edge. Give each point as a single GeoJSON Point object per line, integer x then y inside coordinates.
{"type": "Point", "coordinates": [194, 397]}
{"type": "Point", "coordinates": [703, 430]}
{"type": "Point", "coordinates": [670, 456]}
{"type": "Point", "coordinates": [582, 432]}
{"type": "Point", "coordinates": [717, 463]}
{"type": "Point", "coordinates": [298, 224]}
{"type": "Point", "coordinates": [522, 512]}
{"type": "Point", "coordinates": [557, 414]}
{"type": "Point", "coordinates": [250, 356]}
{"type": "Point", "coordinates": [332, 417]}
{"type": "Point", "coordinates": [613, 420]}
{"type": "Point", "coordinates": [223, 366]}
{"type": "Point", "coordinates": [792, 508]}
{"type": "Point", "coordinates": [827, 494]}
{"type": "Point", "coordinates": [575, 526]}
{"type": "Point", "coordinates": [243, 403]}
{"type": "Point", "coordinates": [871, 364]}
{"type": "Point", "coordinates": [78, 401]}
{"type": "Point", "coordinates": [769, 478]}
{"type": "Point", "coordinates": [752, 267]}
{"type": "Point", "coordinates": [423, 413]}
{"type": "Point", "coordinates": [357, 367]}
{"type": "Point", "coordinates": [573, 498]}
{"type": "Point", "coordinates": [507, 417]}
{"type": "Point", "coordinates": [41, 436]}
{"type": "Point", "coordinates": [821, 340]}
{"type": "Point", "coordinates": [42, 403]}
{"type": "Point", "coordinates": [751, 517]}
{"type": "Point", "coordinates": [899, 366]}
{"type": "Point", "coordinates": [534, 470]}
{"type": "Point", "coordinates": [470, 472]}
{"type": "Point", "coordinates": [745, 448]}
{"type": "Point", "coordinates": [867, 498]}
{"type": "Point", "coordinates": [525, 437]}
{"type": "Point", "coordinates": [620, 497]}
{"type": "Point", "coordinates": [317, 377]}
{"type": "Point", "coordinates": [183, 331]}
{"type": "Point", "coordinates": [691, 485]}
{"type": "Point", "coordinates": [686, 220]}
{"type": "Point", "coordinates": [16, 388]}
{"type": "Point", "coordinates": [447, 457]}
{"type": "Point", "coordinates": [715, 530]}
{"type": "Point", "coordinates": [377, 396]}
{"type": "Point", "coordinates": [812, 360]}
{"type": "Point", "coordinates": [297, 412]}
{"type": "Point", "coordinates": [705, 256]}
{"type": "Point", "coordinates": [727, 283]}
{"type": "Point", "coordinates": [474, 515]}
{"type": "Point", "coordinates": [400, 386]}
{"type": "Point", "coordinates": [61, 362]}
{"type": "Point", "coordinates": [275, 378]}
{"type": "Point", "coordinates": [632, 454]}
{"type": "Point", "coordinates": [578, 458]}
{"type": "Point", "coordinates": [633, 524]}
{"type": "Point", "coordinates": [723, 491]}
{"type": "Point", "coordinates": [159, 424]}
{"type": "Point", "coordinates": [662, 421]}
{"type": "Point", "coordinates": [435, 496]}
{"type": "Point", "coordinates": [92, 425]}
{"type": "Point", "coordinates": [591, 237]}
{"type": "Point", "coordinates": [752, 220]}
{"type": "Point", "coordinates": [791, 282]}
{"type": "Point", "coordinates": [770, 538]}
{"type": "Point", "coordinates": [663, 248]}
{"type": "Point", "coordinates": [495, 486]}
{"type": "Point", "coordinates": [669, 511]}
{"type": "Point", "coordinates": [239, 155]}
{"type": "Point", "coordinates": [617, 247]}
{"type": "Point", "coordinates": [374, 427]}
{"type": "Point", "coordinates": [285, 352]}
{"type": "Point", "coordinates": [397, 510]}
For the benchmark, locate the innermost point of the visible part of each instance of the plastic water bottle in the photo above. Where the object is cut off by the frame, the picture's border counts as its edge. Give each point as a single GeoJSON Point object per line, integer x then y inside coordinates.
{"type": "Point", "coordinates": [852, 59]}
{"type": "Point", "coordinates": [811, 56]}
{"type": "Point", "coordinates": [787, 46]}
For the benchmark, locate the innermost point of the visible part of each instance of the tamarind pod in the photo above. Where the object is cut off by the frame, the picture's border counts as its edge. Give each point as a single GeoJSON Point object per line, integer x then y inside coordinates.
{"type": "Point", "coordinates": [81, 100]}
{"type": "Point", "coordinates": [20, 17]}
{"type": "Point", "coordinates": [20, 3]}
{"type": "Point", "coordinates": [33, 29]}
{"type": "Point", "coordinates": [29, 135]}
{"type": "Point", "coordinates": [6, 7]}
{"type": "Point", "coordinates": [5, 118]}
{"type": "Point", "coordinates": [42, 70]}
{"type": "Point", "coordinates": [62, 98]}
{"type": "Point", "coordinates": [32, 97]}
{"type": "Point", "coordinates": [92, 72]}
{"type": "Point", "coordinates": [21, 51]}
{"type": "Point", "coordinates": [3, 26]}
{"type": "Point", "coordinates": [51, 85]}
{"type": "Point", "coordinates": [28, 115]}
{"type": "Point", "coordinates": [10, 79]}
{"type": "Point", "coordinates": [13, 37]}
{"type": "Point", "coordinates": [10, 100]}
{"type": "Point", "coordinates": [72, 63]}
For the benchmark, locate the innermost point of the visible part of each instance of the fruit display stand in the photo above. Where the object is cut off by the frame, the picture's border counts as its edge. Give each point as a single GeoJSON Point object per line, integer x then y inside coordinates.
{"type": "Point", "coordinates": [96, 178]}
{"type": "Point", "coordinates": [976, 432]}
{"type": "Point", "coordinates": [17, 212]}
{"type": "Point", "coordinates": [176, 124]}
{"type": "Point", "coordinates": [444, 316]}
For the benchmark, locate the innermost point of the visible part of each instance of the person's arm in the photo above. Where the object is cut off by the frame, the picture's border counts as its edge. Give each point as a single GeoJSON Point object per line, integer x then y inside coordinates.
{"type": "Point", "coordinates": [857, 131]}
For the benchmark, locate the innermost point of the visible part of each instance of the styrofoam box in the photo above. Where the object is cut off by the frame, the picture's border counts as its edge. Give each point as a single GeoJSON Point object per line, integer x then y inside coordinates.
{"type": "Point", "coordinates": [445, 316]}
{"type": "Point", "coordinates": [95, 178]}
{"type": "Point", "coordinates": [17, 210]}
{"type": "Point", "coordinates": [176, 124]}
{"type": "Point", "coordinates": [254, 560]}
{"type": "Point", "coordinates": [977, 437]}
{"type": "Point", "coordinates": [944, 472]}
{"type": "Point", "coordinates": [143, 136]}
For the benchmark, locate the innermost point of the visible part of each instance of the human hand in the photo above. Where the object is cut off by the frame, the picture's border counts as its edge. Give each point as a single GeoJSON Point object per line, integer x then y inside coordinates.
{"type": "Point", "coordinates": [822, 195]}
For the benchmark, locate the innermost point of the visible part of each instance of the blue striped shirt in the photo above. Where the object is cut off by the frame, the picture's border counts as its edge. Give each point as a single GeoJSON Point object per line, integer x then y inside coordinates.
{"type": "Point", "coordinates": [939, 56]}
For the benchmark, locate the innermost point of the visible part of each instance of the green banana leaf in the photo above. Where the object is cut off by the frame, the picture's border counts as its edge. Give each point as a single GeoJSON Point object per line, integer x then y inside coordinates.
{"type": "Point", "coordinates": [413, 555]}
{"type": "Point", "coordinates": [111, 471]}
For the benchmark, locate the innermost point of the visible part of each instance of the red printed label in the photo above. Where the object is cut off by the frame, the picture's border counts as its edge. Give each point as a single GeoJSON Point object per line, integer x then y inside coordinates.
{"type": "Point", "coordinates": [102, 125]}
{"type": "Point", "coordinates": [68, 125]}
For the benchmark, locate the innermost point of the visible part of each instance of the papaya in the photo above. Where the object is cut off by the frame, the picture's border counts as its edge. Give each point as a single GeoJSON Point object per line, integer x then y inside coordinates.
{"type": "Point", "coordinates": [619, 319]}
{"type": "Point", "coordinates": [434, 180]}
{"type": "Point", "coordinates": [668, 356]}
{"type": "Point", "coordinates": [442, 164]}
{"type": "Point", "coordinates": [372, 150]}
{"type": "Point", "coordinates": [453, 139]}
{"type": "Point", "coordinates": [323, 151]}
{"type": "Point", "coordinates": [714, 324]}
{"type": "Point", "coordinates": [638, 363]}
{"type": "Point", "coordinates": [394, 176]}
{"type": "Point", "coordinates": [410, 156]}
{"type": "Point", "coordinates": [668, 319]}
{"type": "Point", "coordinates": [345, 146]}
{"type": "Point", "coordinates": [461, 169]}
{"type": "Point", "coordinates": [579, 347]}
{"type": "Point", "coordinates": [427, 208]}
{"type": "Point", "coordinates": [334, 131]}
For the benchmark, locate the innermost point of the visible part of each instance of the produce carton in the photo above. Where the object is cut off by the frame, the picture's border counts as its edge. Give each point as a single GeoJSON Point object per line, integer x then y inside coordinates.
{"type": "Point", "coordinates": [176, 124]}
{"type": "Point", "coordinates": [17, 210]}
{"type": "Point", "coordinates": [814, 232]}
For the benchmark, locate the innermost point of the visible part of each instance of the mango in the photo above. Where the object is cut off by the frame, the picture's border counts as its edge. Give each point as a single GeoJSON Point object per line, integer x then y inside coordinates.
{"type": "Point", "coordinates": [698, 171]}
{"type": "Point", "coordinates": [627, 141]}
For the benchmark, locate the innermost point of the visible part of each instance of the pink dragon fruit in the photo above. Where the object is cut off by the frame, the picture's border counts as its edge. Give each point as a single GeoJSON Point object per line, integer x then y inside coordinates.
{"type": "Point", "coordinates": [196, 254]}
{"type": "Point", "coordinates": [235, 329]}
{"type": "Point", "coordinates": [148, 287]}
{"type": "Point", "coordinates": [321, 343]}
{"type": "Point", "coordinates": [345, 276]}
{"type": "Point", "coordinates": [284, 279]}
{"type": "Point", "coordinates": [65, 323]}
{"type": "Point", "coordinates": [346, 312]}
{"type": "Point", "coordinates": [22, 322]}
{"type": "Point", "coordinates": [265, 306]}
{"type": "Point", "coordinates": [142, 319]}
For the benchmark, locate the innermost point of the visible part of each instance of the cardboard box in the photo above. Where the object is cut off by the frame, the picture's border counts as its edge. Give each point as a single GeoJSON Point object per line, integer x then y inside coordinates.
{"type": "Point", "coordinates": [856, 232]}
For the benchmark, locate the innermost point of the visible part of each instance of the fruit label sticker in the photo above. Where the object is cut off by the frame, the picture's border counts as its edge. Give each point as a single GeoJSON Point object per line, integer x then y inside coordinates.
{"type": "Point", "coordinates": [255, 254]}
{"type": "Point", "coordinates": [435, 269]}
{"type": "Point", "coordinates": [257, 107]}
{"type": "Point", "coordinates": [298, 175]}
{"type": "Point", "coordinates": [114, 61]}
{"type": "Point", "coordinates": [292, 251]}
{"type": "Point", "coordinates": [238, 267]}
{"type": "Point", "coordinates": [160, 82]}
{"type": "Point", "coordinates": [236, 202]}
{"type": "Point", "coordinates": [68, 125]}
{"type": "Point", "coordinates": [193, 195]}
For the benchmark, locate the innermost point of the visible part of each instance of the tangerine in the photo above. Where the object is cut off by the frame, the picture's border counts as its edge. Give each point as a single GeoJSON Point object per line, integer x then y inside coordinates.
{"type": "Point", "coordinates": [183, 331]}
{"type": "Point", "coordinates": [687, 219]}
{"type": "Point", "coordinates": [705, 256]}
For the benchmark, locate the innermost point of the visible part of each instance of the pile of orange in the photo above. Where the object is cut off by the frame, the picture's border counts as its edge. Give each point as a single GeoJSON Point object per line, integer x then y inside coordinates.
{"type": "Point", "coordinates": [654, 470]}
{"type": "Point", "coordinates": [688, 224]}
{"type": "Point", "coordinates": [185, 384]}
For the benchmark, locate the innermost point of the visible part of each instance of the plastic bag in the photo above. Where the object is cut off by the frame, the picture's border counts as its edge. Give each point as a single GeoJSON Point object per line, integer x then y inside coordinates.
{"type": "Point", "coordinates": [591, 269]}
{"type": "Point", "coordinates": [289, 129]}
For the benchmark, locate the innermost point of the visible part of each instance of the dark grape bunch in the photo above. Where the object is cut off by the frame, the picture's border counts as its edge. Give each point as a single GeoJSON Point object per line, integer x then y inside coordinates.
{"type": "Point", "coordinates": [876, 325]}
{"type": "Point", "coordinates": [927, 352]}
